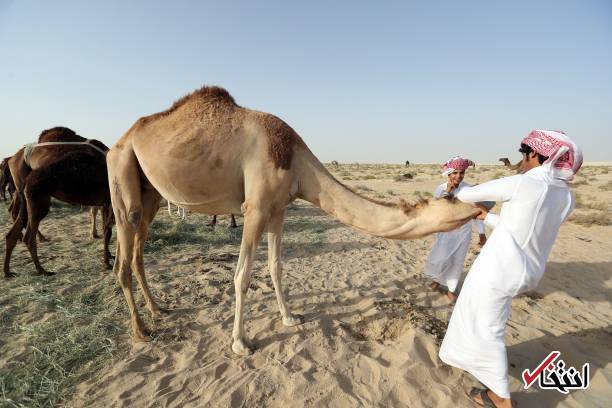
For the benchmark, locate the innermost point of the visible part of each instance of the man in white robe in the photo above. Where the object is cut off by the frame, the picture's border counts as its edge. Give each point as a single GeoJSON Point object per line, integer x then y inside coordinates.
{"type": "Point", "coordinates": [447, 256]}
{"type": "Point", "coordinates": [534, 206]}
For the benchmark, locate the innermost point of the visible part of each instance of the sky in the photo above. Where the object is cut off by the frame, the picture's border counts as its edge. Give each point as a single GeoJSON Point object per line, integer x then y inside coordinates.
{"type": "Point", "coordinates": [367, 82]}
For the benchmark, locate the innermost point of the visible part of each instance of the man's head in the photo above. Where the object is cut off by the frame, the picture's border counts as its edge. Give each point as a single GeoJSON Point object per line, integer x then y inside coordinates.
{"type": "Point", "coordinates": [552, 149]}
{"type": "Point", "coordinates": [455, 168]}
{"type": "Point", "coordinates": [531, 158]}
{"type": "Point", "coordinates": [456, 177]}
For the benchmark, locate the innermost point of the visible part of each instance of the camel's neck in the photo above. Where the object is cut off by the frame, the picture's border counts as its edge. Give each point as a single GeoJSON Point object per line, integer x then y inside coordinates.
{"type": "Point", "coordinates": [320, 188]}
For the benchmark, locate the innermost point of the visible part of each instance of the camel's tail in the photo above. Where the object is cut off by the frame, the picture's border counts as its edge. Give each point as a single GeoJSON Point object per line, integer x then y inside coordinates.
{"type": "Point", "coordinates": [125, 185]}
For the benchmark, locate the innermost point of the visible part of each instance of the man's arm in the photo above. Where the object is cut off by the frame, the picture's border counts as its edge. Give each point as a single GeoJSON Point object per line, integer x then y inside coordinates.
{"type": "Point", "coordinates": [495, 190]}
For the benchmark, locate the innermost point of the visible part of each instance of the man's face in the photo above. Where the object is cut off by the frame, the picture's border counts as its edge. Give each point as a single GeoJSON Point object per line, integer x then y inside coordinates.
{"type": "Point", "coordinates": [456, 177]}
{"type": "Point", "coordinates": [530, 160]}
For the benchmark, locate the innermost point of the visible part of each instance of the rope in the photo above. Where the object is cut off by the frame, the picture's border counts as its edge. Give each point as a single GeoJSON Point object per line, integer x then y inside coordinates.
{"type": "Point", "coordinates": [29, 148]}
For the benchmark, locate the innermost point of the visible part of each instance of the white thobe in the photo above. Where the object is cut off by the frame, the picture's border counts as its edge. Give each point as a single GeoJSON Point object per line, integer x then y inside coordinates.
{"type": "Point", "coordinates": [511, 262]}
{"type": "Point", "coordinates": [447, 256]}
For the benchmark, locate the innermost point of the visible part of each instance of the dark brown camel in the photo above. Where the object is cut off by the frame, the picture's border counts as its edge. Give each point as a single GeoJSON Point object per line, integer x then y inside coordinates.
{"type": "Point", "coordinates": [73, 173]}
{"type": "Point", "coordinates": [6, 181]}
{"type": "Point", "coordinates": [232, 222]}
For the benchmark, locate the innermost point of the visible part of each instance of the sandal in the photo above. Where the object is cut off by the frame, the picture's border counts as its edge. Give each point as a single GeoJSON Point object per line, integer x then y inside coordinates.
{"type": "Point", "coordinates": [484, 396]}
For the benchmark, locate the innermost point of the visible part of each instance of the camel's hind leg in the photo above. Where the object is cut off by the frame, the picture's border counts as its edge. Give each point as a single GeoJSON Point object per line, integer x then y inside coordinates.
{"type": "Point", "coordinates": [150, 205]}
{"type": "Point", "coordinates": [275, 231]}
{"type": "Point", "coordinates": [93, 211]}
{"type": "Point", "coordinates": [124, 182]}
{"type": "Point", "coordinates": [125, 238]}
{"type": "Point", "coordinates": [12, 237]}
{"type": "Point", "coordinates": [38, 204]}
{"type": "Point", "coordinates": [254, 223]}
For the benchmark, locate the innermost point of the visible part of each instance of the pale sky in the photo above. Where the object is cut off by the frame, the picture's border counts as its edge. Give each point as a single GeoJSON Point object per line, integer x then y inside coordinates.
{"type": "Point", "coordinates": [379, 82]}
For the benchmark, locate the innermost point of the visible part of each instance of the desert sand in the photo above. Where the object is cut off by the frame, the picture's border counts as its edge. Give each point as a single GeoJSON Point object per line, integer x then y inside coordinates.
{"type": "Point", "coordinates": [372, 326]}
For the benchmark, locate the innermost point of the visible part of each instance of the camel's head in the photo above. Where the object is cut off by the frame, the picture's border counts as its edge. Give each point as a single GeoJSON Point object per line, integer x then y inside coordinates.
{"type": "Point", "coordinates": [437, 215]}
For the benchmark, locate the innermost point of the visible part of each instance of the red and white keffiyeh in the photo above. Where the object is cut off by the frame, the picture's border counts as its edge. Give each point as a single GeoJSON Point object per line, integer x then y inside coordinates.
{"type": "Point", "coordinates": [564, 156]}
{"type": "Point", "coordinates": [456, 163]}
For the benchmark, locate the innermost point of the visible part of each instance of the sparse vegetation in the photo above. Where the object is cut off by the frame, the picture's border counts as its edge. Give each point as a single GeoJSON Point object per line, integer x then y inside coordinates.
{"type": "Point", "coordinates": [591, 218]}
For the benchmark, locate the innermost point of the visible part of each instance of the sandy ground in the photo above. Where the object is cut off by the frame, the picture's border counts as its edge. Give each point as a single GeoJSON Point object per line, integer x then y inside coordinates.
{"type": "Point", "coordinates": [372, 327]}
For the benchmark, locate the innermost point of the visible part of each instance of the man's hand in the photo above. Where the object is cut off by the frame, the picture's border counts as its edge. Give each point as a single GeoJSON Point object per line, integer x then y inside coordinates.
{"type": "Point", "coordinates": [483, 212]}
{"type": "Point", "coordinates": [482, 240]}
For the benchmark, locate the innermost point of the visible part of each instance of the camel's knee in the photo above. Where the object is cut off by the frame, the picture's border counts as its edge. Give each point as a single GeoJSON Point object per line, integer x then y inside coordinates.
{"type": "Point", "coordinates": [124, 276]}
{"type": "Point", "coordinates": [135, 216]}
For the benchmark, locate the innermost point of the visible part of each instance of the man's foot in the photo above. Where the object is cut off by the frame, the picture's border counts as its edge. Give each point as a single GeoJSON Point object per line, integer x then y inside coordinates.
{"type": "Point", "coordinates": [487, 398]}
{"type": "Point", "coordinates": [434, 286]}
{"type": "Point", "coordinates": [451, 296]}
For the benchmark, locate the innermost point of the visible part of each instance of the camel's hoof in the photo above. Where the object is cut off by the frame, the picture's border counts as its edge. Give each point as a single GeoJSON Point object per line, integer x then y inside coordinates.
{"type": "Point", "coordinates": [242, 348]}
{"type": "Point", "coordinates": [9, 275]}
{"type": "Point", "coordinates": [143, 337]}
{"type": "Point", "coordinates": [95, 236]}
{"type": "Point", "coordinates": [293, 320]}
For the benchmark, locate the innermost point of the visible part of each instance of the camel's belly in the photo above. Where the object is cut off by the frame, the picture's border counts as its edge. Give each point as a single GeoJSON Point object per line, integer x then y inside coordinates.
{"type": "Point", "coordinates": [197, 188]}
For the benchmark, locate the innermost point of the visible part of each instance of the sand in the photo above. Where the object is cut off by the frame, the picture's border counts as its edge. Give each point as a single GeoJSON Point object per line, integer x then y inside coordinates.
{"type": "Point", "coordinates": [372, 326]}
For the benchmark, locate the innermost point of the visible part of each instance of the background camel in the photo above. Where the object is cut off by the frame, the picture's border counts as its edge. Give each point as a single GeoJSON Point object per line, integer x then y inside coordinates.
{"type": "Point", "coordinates": [212, 156]}
{"type": "Point", "coordinates": [74, 174]}
{"type": "Point", "coordinates": [6, 181]}
{"type": "Point", "coordinates": [511, 166]}
{"type": "Point", "coordinates": [407, 163]}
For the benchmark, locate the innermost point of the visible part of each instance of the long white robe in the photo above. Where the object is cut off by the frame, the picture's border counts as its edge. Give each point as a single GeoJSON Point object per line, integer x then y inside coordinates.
{"type": "Point", "coordinates": [447, 256]}
{"type": "Point", "coordinates": [511, 262]}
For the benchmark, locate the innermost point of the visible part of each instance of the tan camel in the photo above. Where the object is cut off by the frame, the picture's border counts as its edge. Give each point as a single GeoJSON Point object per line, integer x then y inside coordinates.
{"type": "Point", "coordinates": [511, 166]}
{"type": "Point", "coordinates": [212, 156]}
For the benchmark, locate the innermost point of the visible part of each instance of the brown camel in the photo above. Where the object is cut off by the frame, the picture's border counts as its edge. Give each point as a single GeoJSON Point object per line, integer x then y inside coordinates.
{"type": "Point", "coordinates": [6, 181]}
{"type": "Point", "coordinates": [233, 224]}
{"type": "Point", "coordinates": [212, 156]}
{"type": "Point", "coordinates": [511, 166]}
{"type": "Point", "coordinates": [74, 173]}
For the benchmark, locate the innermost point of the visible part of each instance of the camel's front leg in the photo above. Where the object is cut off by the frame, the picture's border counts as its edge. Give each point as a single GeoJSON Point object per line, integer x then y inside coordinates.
{"type": "Point", "coordinates": [275, 232]}
{"type": "Point", "coordinates": [254, 222]}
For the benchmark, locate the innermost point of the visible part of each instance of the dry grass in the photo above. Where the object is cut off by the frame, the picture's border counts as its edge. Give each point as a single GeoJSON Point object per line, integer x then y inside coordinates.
{"type": "Point", "coordinates": [607, 186]}
{"type": "Point", "coordinates": [69, 323]}
{"type": "Point", "coordinates": [591, 218]}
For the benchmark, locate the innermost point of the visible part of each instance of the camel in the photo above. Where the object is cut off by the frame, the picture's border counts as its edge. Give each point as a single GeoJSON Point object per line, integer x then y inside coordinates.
{"type": "Point", "coordinates": [6, 181]}
{"type": "Point", "coordinates": [93, 212]}
{"type": "Point", "coordinates": [407, 163]}
{"type": "Point", "coordinates": [233, 224]}
{"type": "Point", "coordinates": [62, 165]}
{"type": "Point", "coordinates": [212, 156]}
{"type": "Point", "coordinates": [511, 166]}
